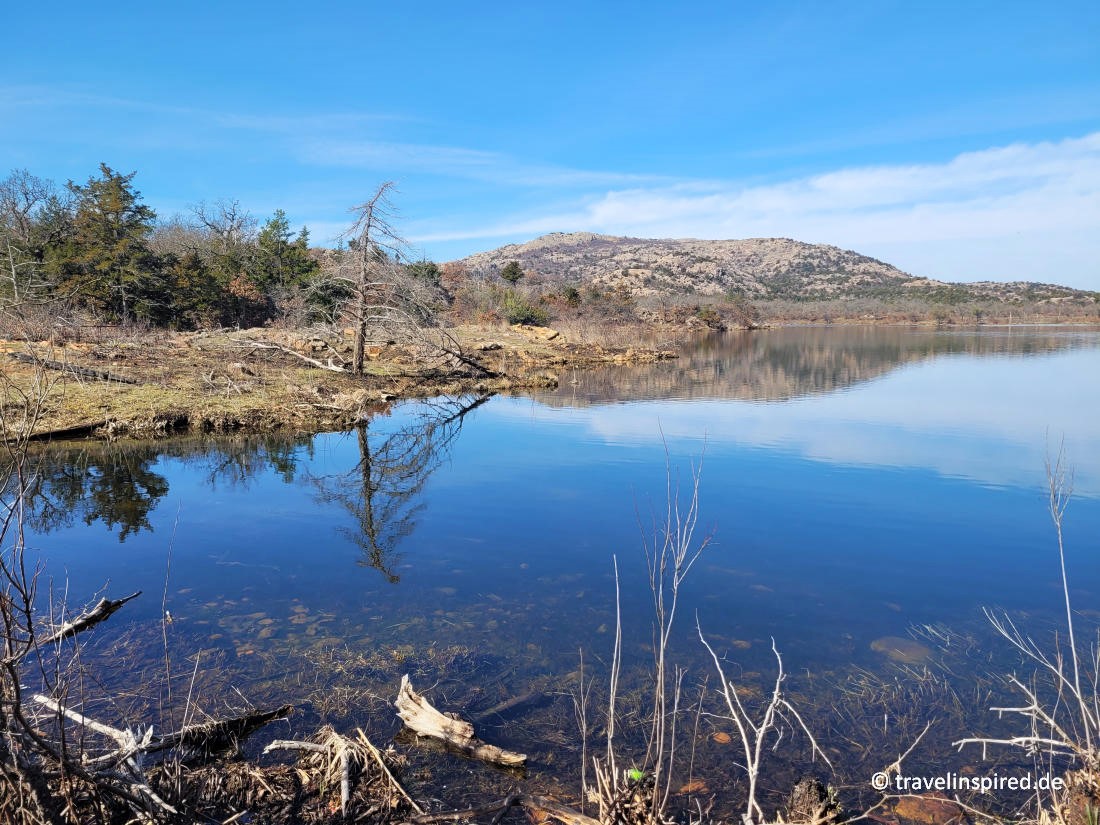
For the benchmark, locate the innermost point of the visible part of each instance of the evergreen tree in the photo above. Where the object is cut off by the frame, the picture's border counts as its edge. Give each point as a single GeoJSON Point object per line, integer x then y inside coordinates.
{"type": "Point", "coordinates": [111, 266]}
{"type": "Point", "coordinates": [512, 272]}
{"type": "Point", "coordinates": [282, 262]}
{"type": "Point", "coordinates": [427, 271]}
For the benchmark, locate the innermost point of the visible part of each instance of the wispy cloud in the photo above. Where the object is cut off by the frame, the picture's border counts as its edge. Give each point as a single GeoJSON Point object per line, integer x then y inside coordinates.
{"type": "Point", "coordinates": [183, 122]}
{"type": "Point", "coordinates": [333, 140]}
{"type": "Point", "coordinates": [459, 162]}
{"type": "Point", "coordinates": [1000, 192]}
{"type": "Point", "coordinates": [1026, 210]}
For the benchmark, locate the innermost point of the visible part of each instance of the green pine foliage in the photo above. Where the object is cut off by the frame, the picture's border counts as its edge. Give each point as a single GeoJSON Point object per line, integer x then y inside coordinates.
{"type": "Point", "coordinates": [107, 261]}
{"type": "Point", "coordinates": [98, 245]}
{"type": "Point", "coordinates": [512, 272]}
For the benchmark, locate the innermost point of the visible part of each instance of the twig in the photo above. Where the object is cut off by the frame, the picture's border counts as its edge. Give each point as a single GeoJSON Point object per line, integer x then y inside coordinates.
{"type": "Point", "coordinates": [295, 745]}
{"type": "Point", "coordinates": [385, 768]}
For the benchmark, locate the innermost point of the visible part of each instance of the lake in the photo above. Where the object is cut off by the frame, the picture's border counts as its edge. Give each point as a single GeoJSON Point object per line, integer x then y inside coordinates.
{"type": "Point", "coordinates": [858, 487]}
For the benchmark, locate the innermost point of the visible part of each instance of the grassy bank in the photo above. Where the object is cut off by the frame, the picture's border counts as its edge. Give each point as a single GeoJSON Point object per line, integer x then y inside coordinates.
{"type": "Point", "coordinates": [267, 379]}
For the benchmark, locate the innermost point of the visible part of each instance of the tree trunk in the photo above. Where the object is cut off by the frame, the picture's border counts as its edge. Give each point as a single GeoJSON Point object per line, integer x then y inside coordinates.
{"type": "Point", "coordinates": [360, 315]}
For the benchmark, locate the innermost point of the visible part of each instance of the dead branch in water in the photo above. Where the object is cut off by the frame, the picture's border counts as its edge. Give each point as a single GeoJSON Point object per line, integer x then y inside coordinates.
{"type": "Point", "coordinates": [103, 610]}
{"type": "Point", "coordinates": [418, 714]}
{"type": "Point", "coordinates": [211, 736]}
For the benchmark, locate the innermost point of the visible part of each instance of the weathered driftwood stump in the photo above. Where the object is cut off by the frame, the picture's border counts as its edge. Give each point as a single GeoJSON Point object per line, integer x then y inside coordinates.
{"type": "Point", "coordinates": [418, 714]}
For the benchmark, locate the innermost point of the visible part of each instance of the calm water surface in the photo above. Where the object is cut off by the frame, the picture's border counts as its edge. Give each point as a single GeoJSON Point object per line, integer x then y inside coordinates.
{"type": "Point", "coordinates": [856, 484]}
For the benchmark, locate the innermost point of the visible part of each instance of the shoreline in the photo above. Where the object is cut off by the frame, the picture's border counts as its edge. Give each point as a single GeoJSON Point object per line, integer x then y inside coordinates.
{"type": "Point", "coordinates": [265, 380]}
{"type": "Point", "coordinates": [260, 380]}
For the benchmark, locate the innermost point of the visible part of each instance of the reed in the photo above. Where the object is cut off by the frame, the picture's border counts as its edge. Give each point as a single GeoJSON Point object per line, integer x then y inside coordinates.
{"type": "Point", "coordinates": [1060, 710]}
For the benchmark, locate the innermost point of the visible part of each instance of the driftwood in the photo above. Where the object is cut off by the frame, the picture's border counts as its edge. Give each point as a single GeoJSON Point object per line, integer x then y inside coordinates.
{"type": "Point", "coordinates": [535, 804]}
{"type": "Point", "coordinates": [81, 372]}
{"type": "Point", "coordinates": [418, 714]}
{"type": "Point", "coordinates": [129, 748]}
{"type": "Point", "coordinates": [342, 755]}
{"type": "Point", "coordinates": [103, 610]}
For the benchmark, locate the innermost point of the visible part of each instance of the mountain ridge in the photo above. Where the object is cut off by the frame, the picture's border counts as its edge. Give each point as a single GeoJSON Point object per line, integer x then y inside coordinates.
{"type": "Point", "coordinates": [753, 268]}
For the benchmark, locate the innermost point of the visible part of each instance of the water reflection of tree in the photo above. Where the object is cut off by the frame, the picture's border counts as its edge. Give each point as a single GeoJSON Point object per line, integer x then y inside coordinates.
{"type": "Point", "coordinates": [118, 485]}
{"type": "Point", "coordinates": [381, 493]}
{"type": "Point", "coordinates": [239, 460]}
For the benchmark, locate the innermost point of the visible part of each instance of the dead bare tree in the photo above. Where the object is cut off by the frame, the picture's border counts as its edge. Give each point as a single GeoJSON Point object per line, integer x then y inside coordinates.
{"type": "Point", "coordinates": [23, 286]}
{"type": "Point", "coordinates": [374, 246]}
{"type": "Point", "coordinates": [384, 299]}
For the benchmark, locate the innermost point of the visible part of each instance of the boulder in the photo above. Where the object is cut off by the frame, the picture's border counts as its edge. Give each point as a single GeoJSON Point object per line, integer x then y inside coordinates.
{"type": "Point", "coordinates": [536, 333]}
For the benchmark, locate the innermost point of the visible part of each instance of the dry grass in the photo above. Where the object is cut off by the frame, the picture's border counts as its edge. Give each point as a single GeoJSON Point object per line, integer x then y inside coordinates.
{"type": "Point", "coordinates": [222, 381]}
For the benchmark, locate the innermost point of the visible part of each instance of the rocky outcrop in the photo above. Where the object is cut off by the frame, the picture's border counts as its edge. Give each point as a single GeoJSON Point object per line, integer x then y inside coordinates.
{"type": "Point", "coordinates": [756, 268]}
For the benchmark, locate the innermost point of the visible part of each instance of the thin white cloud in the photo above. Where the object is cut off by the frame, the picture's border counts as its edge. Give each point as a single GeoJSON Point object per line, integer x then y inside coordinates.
{"type": "Point", "coordinates": [347, 140]}
{"type": "Point", "coordinates": [459, 162]}
{"type": "Point", "coordinates": [380, 154]}
{"type": "Point", "coordinates": [1022, 189]}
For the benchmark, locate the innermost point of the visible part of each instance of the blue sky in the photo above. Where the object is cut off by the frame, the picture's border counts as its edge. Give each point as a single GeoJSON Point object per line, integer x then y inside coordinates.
{"type": "Point", "coordinates": [958, 140]}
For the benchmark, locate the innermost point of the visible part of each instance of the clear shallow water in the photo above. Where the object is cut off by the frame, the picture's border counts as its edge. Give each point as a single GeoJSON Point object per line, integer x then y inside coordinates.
{"type": "Point", "coordinates": [858, 484]}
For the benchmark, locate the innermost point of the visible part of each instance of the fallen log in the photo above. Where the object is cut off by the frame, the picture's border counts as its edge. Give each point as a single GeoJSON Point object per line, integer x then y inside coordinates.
{"type": "Point", "coordinates": [418, 714]}
{"type": "Point", "coordinates": [81, 430]}
{"type": "Point", "coordinates": [80, 372]}
{"type": "Point", "coordinates": [330, 365]}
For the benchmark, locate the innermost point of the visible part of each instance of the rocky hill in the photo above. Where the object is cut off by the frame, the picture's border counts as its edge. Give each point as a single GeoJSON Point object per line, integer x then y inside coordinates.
{"type": "Point", "coordinates": [757, 268]}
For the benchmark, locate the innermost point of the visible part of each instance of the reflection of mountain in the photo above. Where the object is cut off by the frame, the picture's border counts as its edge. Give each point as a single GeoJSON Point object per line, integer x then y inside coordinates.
{"type": "Point", "coordinates": [785, 363]}
{"type": "Point", "coordinates": [118, 485]}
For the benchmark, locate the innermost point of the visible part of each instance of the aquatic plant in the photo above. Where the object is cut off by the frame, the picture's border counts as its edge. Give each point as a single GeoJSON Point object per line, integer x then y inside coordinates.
{"type": "Point", "coordinates": [1061, 708]}
{"type": "Point", "coordinates": [640, 794]}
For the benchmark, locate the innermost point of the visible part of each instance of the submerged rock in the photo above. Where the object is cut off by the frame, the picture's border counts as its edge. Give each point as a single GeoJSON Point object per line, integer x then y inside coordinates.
{"type": "Point", "coordinates": [932, 809]}
{"type": "Point", "coordinates": [901, 649]}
